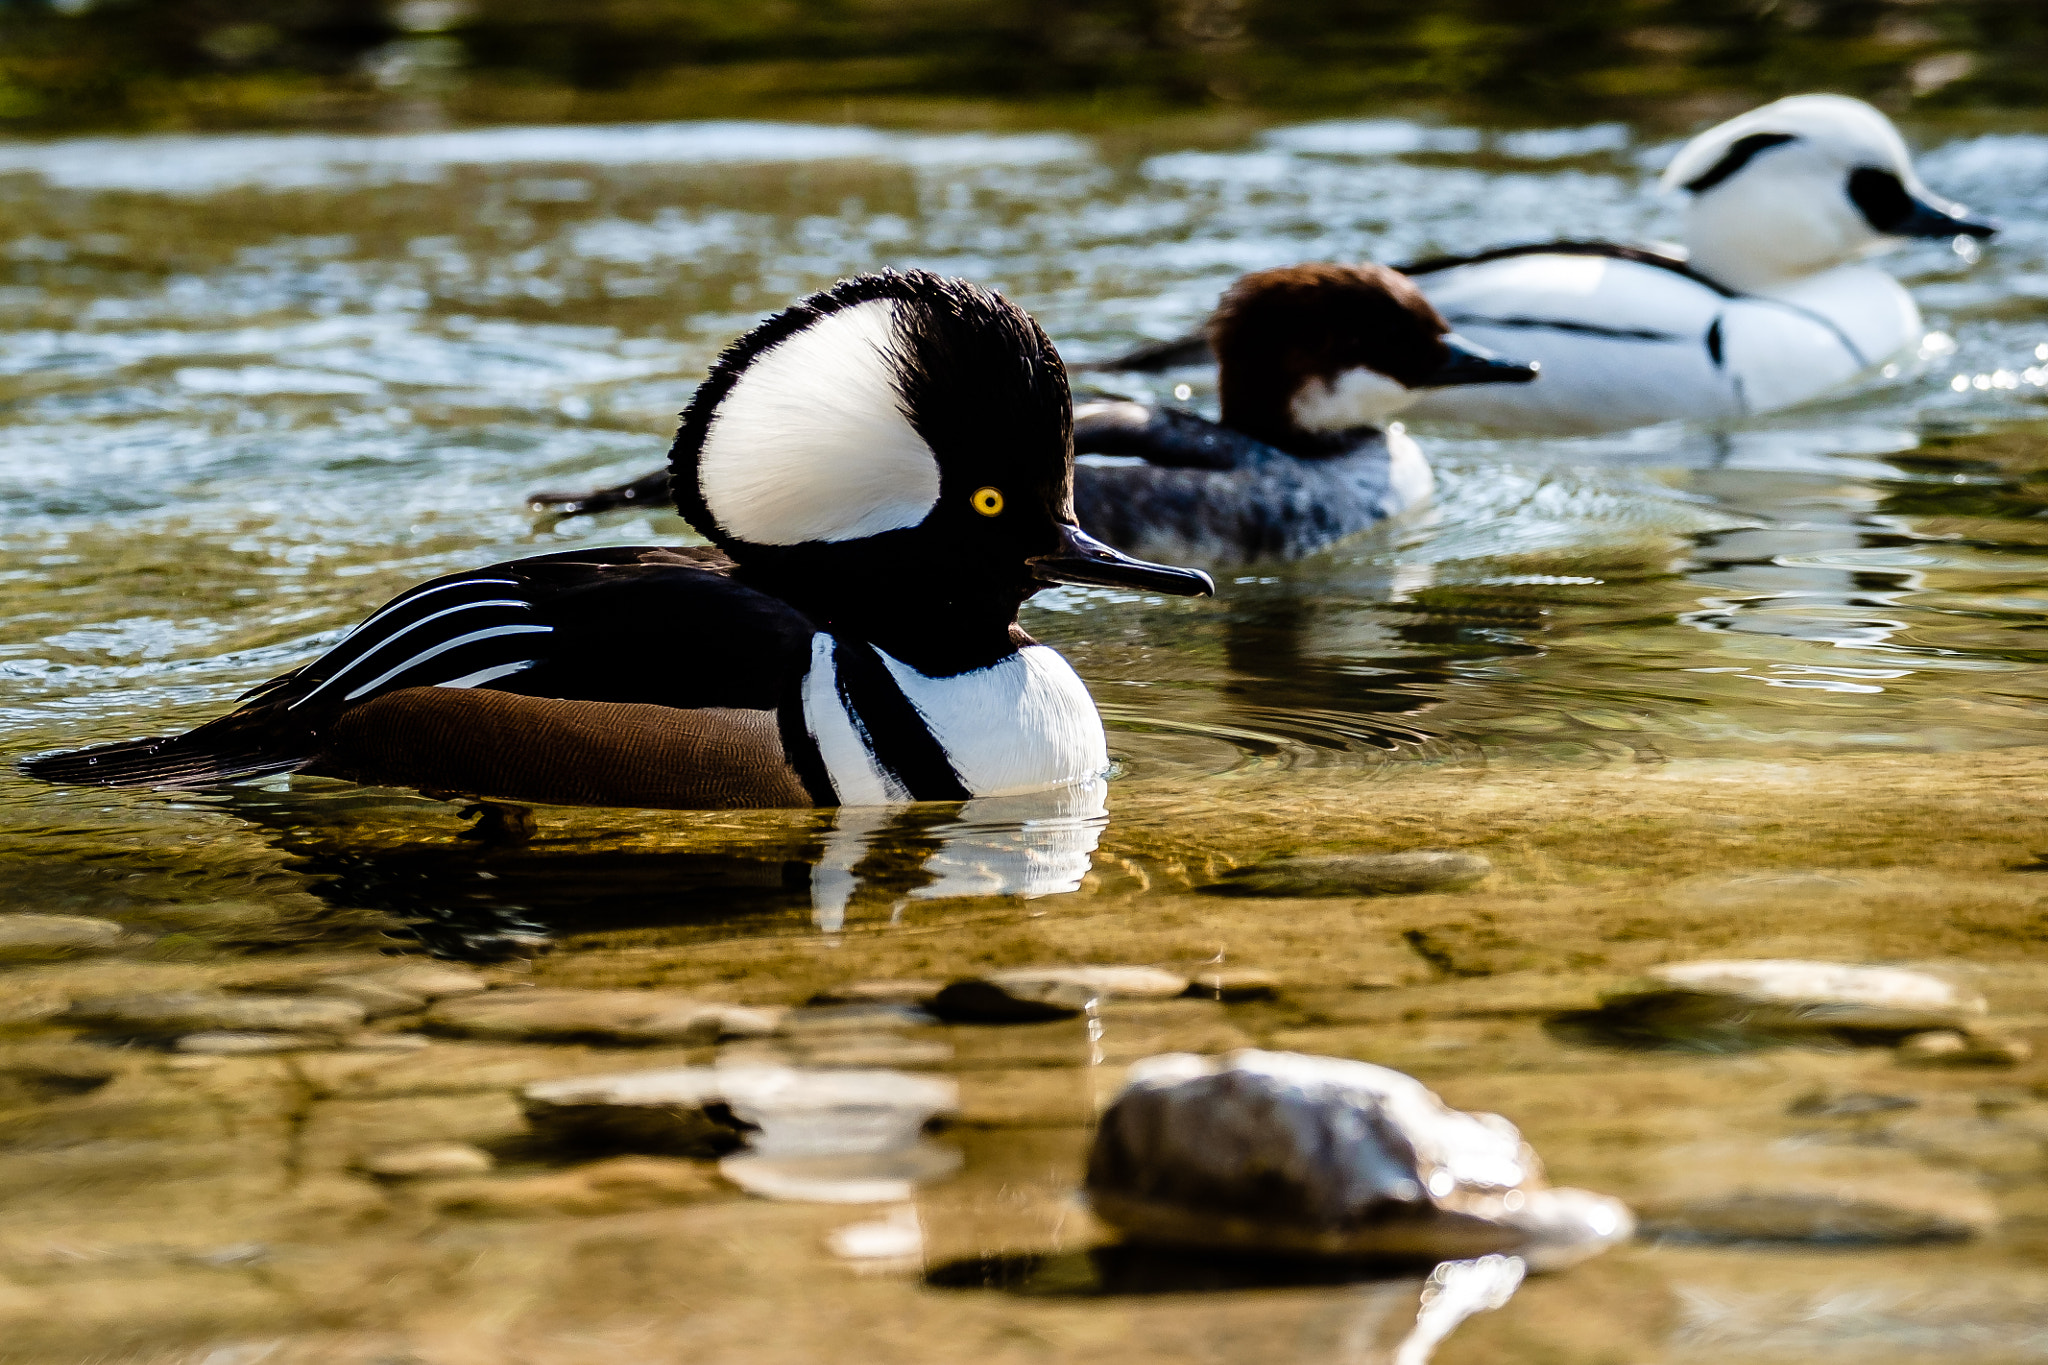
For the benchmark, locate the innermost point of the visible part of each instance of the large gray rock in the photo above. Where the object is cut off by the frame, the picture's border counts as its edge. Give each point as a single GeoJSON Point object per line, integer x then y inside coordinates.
{"type": "Point", "coordinates": [1780, 995]}
{"type": "Point", "coordinates": [1357, 874]}
{"type": "Point", "coordinates": [39, 938]}
{"type": "Point", "coordinates": [1277, 1151]}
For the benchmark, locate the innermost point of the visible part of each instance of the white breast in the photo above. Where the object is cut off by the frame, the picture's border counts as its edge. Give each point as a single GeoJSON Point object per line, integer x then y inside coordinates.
{"type": "Point", "coordinates": [1023, 724]}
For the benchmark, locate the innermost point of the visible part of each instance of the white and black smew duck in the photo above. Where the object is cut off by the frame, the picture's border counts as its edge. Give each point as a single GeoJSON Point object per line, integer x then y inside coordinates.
{"type": "Point", "coordinates": [1772, 301]}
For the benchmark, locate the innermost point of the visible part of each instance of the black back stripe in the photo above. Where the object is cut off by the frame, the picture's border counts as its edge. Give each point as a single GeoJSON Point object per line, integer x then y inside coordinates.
{"type": "Point", "coordinates": [902, 744]}
{"type": "Point", "coordinates": [1615, 251]}
{"type": "Point", "coordinates": [1562, 325]}
{"type": "Point", "coordinates": [1740, 153]}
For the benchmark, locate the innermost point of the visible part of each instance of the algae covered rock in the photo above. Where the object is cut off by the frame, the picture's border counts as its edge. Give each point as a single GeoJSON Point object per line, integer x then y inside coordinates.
{"type": "Point", "coordinates": [1282, 1152]}
{"type": "Point", "coordinates": [1356, 874]}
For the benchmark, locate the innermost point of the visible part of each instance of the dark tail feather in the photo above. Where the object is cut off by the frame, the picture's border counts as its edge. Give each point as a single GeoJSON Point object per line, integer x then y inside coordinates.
{"type": "Point", "coordinates": [1159, 355]}
{"type": "Point", "coordinates": [648, 489]}
{"type": "Point", "coordinates": [220, 751]}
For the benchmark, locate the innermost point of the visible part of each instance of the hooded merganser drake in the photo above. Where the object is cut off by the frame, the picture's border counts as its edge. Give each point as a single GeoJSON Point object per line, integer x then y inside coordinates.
{"type": "Point", "coordinates": [885, 473]}
{"type": "Point", "coordinates": [1313, 360]}
{"type": "Point", "coordinates": [1770, 304]}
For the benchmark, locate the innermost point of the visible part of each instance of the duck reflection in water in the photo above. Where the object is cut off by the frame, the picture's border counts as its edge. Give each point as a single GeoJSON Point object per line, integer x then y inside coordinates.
{"type": "Point", "coordinates": [765, 871]}
{"type": "Point", "coordinates": [1451, 1293]}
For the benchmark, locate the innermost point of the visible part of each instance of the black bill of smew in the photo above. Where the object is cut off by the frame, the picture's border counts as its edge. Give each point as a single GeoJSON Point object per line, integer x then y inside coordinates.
{"type": "Point", "coordinates": [1083, 559]}
{"type": "Point", "coordinates": [1467, 362]}
{"type": "Point", "coordinates": [1897, 211]}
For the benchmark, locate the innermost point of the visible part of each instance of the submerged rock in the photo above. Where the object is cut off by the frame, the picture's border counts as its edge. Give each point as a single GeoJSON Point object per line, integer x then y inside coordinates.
{"type": "Point", "coordinates": [1952, 1047]}
{"type": "Point", "coordinates": [1032, 994]}
{"type": "Point", "coordinates": [1357, 874]}
{"type": "Point", "coordinates": [1855, 1104]}
{"type": "Point", "coordinates": [635, 1017]}
{"type": "Point", "coordinates": [222, 1043]}
{"type": "Point", "coordinates": [214, 1011]}
{"type": "Point", "coordinates": [1277, 1151]}
{"type": "Point", "coordinates": [403, 989]}
{"type": "Point", "coordinates": [1950, 1211]}
{"type": "Point", "coordinates": [427, 1159]}
{"type": "Point", "coordinates": [619, 1185]}
{"type": "Point", "coordinates": [1789, 996]}
{"type": "Point", "coordinates": [39, 938]}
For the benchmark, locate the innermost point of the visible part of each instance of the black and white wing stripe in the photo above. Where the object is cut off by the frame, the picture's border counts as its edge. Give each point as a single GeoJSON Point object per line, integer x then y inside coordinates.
{"type": "Point", "coordinates": [462, 631]}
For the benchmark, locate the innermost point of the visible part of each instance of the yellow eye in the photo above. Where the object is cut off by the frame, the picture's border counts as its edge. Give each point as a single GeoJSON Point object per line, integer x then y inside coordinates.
{"type": "Point", "coordinates": [988, 501]}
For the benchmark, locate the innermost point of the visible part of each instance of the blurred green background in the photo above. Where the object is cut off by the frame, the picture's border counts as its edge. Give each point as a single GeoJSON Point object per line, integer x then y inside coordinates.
{"type": "Point", "coordinates": [129, 64]}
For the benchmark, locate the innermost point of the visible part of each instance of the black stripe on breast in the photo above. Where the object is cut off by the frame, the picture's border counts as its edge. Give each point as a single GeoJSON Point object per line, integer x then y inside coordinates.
{"type": "Point", "coordinates": [799, 749]}
{"type": "Point", "coordinates": [895, 733]}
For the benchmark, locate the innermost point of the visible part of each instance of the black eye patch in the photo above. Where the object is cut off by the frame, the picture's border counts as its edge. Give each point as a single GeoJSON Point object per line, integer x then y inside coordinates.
{"type": "Point", "coordinates": [1738, 155]}
{"type": "Point", "coordinates": [1882, 198]}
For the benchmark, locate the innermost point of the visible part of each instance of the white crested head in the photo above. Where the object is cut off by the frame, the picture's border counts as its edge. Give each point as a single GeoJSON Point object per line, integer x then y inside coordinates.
{"type": "Point", "coordinates": [1360, 397]}
{"type": "Point", "coordinates": [811, 443]}
{"type": "Point", "coordinates": [1798, 186]}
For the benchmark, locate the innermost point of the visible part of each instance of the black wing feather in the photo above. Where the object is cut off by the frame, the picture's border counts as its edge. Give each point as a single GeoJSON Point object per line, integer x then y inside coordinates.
{"type": "Point", "coordinates": [632, 624]}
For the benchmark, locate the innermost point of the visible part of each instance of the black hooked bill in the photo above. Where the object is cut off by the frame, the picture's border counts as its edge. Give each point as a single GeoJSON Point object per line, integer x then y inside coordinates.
{"type": "Point", "coordinates": [1084, 560]}
{"type": "Point", "coordinates": [1932, 217]}
{"type": "Point", "coordinates": [1467, 362]}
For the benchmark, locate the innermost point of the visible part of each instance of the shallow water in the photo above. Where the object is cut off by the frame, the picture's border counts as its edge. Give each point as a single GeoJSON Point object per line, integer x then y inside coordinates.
{"type": "Point", "coordinates": [1733, 692]}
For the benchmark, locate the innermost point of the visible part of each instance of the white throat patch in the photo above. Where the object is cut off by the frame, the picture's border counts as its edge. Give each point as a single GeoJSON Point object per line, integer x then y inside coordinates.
{"type": "Point", "coordinates": [1355, 398]}
{"type": "Point", "coordinates": [811, 442]}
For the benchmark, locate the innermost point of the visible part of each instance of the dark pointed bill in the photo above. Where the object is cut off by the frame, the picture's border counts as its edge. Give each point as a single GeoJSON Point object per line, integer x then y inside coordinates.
{"type": "Point", "coordinates": [1467, 362]}
{"type": "Point", "coordinates": [1085, 560]}
{"type": "Point", "coordinates": [1931, 216]}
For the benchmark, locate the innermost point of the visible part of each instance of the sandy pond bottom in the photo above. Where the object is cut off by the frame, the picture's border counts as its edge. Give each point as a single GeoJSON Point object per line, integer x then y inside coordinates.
{"type": "Point", "coordinates": [156, 1205]}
